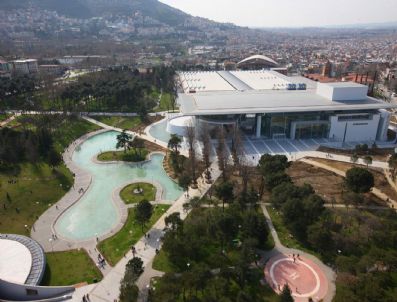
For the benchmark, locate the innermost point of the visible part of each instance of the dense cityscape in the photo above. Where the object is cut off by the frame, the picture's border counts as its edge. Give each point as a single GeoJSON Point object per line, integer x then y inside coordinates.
{"type": "Point", "coordinates": [150, 155]}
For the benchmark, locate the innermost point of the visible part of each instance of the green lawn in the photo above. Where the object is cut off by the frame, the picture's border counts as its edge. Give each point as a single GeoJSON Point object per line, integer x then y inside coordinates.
{"type": "Point", "coordinates": [162, 263]}
{"type": "Point", "coordinates": [3, 117]}
{"type": "Point", "coordinates": [284, 234]}
{"type": "Point", "coordinates": [128, 195]}
{"type": "Point", "coordinates": [129, 156]}
{"type": "Point", "coordinates": [68, 268]}
{"type": "Point", "coordinates": [36, 188]}
{"type": "Point", "coordinates": [116, 246]}
{"type": "Point", "coordinates": [66, 132]}
{"type": "Point", "coordinates": [121, 122]}
{"type": "Point", "coordinates": [30, 189]}
{"type": "Point", "coordinates": [165, 103]}
{"type": "Point", "coordinates": [69, 131]}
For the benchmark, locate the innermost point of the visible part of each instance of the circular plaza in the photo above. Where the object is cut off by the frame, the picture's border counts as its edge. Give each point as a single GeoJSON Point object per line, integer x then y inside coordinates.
{"type": "Point", "coordinates": [304, 277]}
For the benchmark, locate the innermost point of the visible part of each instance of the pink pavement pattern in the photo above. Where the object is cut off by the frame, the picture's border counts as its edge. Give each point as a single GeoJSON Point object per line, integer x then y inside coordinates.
{"type": "Point", "coordinates": [304, 278]}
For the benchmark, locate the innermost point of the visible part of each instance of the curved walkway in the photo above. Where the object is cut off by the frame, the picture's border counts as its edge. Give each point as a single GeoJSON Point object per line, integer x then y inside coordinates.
{"type": "Point", "coordinates": [109, 288]}
{"type": "Point", "coordinates": [43, 229]}
{"type": "Point", "coordinates": [279, 250]}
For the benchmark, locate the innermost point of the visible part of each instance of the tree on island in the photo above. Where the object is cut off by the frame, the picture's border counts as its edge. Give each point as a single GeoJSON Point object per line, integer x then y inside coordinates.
{"type": "Point", "coordinates": [143, 212]}
{"type": "Point", "coordinates": [359, 180]}
{"type": "Point", "coordinates": [174, 143]}
{"type": "Point", "coordinates": [123, 140]}
{"type": "Point", "coordinates": [137, 144]}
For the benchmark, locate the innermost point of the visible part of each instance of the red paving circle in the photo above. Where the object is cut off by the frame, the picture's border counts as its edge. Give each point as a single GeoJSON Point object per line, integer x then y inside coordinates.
{"type": "Point", "coordinates": [304, 277]}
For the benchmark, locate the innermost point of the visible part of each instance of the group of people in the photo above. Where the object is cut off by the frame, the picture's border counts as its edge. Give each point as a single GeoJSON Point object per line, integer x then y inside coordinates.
{"type": "Point", "coordinates": [294, 257]}
{"type": "Point", "coordinates": [101, 261]}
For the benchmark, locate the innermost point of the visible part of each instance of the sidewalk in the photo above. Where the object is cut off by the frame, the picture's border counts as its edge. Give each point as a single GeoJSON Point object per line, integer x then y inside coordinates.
{"type": "Point", "coordinates": [108, 288]}
{"type": "Point", "coordinates": [279, 248]}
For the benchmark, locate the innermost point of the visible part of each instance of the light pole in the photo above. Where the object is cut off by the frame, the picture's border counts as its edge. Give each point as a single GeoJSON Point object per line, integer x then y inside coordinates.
{"type": "Point", "coordinates": [52, 246]}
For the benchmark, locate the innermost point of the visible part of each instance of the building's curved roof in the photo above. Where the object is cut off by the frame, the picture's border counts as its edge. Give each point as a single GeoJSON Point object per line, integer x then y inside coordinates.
{"type": "Point", "coordinates": [256, 58]}
{"type": "Point", "coordinates": [22, 259]}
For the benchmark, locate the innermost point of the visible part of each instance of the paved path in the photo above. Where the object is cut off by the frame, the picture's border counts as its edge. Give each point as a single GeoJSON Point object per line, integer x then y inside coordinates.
{"type": "Point", "coordinates": [377, 192]}
{"type": "Point", "coordinates": [8, 120]}
{"type": "Point", "coordinates": [280, 249]}
{"type": "Point", "coordinates": [108, 288]}
{"type": "Point", "coordinates": [336, 157]}
{"type": "Point", "coordinates": [144, 136]}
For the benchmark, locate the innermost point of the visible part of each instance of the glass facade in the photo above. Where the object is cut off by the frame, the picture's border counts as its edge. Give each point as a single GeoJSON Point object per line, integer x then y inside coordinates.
{"type": "Point", "coordinates": [279, 124]}
{"type": "Point", "coordinates": [312, 130]}
{"type": "Point", "coordinates": [298, 125]}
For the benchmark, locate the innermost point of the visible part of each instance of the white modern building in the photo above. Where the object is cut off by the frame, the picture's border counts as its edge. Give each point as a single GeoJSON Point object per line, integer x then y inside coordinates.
{"type": "Point", "coordinates": [28, 66]}
{"type": "Point", "coordinates": [267, 104]}
{"type": "Point", "coordinates": [22, 267]}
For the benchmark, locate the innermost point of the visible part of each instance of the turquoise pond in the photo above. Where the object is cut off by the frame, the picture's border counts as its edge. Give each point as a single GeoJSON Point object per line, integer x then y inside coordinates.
{"type": "Point", "coordinates": [95, 214]}
{"type": "Point", "coordinates": [159, 131]}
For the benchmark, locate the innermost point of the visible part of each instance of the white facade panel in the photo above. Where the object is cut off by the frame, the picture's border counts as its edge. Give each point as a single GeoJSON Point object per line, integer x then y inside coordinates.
{"type": "Point", "coordinates": [354, 130]}
{"type": "Point", "coordinates": [383, 125]}
{"type": "Point", "coordinates": [342, 91]}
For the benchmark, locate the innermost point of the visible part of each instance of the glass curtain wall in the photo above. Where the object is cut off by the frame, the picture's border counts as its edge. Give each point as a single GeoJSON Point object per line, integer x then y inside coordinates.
{"type": "Point", "coordinates": [279, 124]}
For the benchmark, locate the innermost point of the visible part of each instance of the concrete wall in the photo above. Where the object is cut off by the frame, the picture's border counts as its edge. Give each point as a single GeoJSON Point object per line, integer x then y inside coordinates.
{"type": "Point", "coordinates": [383, 125]}
{"type": "Point", "coordinates": [356, 130]}
{"type": "Point", "coordinates": [344, 92]}
{"type": "Point", "coordinates": [19, 292]}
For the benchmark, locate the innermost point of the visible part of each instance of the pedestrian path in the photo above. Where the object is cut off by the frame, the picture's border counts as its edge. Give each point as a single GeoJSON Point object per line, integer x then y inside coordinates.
{"type": "Point", "coordinates": [108, 288]}
{"type": "Point", "coordinates": [9, 120]}
{"type": "Point", "coordinates": [43, 229]}
{"type": "Point", "coordinates": [280, 250]}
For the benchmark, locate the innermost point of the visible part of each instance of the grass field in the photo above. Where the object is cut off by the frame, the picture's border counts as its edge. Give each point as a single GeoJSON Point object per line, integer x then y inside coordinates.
{"type": "Point", "coordinates": [129, 197]}
{"type": "Point", "coordinates": [68, 268]}
{"type": "Point", "coordinates": [129, 156]}
{"type": "Point", "coordinates": [116, 246]}
{"type": "Point", "coordinates": [30, 189]}
{"type": "Point", "coordinates": [26, 195]}
{"type": "Point", "coordinates": [165, 103]}
{"type": "Point", "coordinates": [3, 117]}
{"type": "Point", "coordinates": [121, 122]}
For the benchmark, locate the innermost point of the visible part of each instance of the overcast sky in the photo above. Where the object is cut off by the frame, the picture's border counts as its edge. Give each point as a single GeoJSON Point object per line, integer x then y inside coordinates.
{"type": "Point", "coordinates": [291, 13]}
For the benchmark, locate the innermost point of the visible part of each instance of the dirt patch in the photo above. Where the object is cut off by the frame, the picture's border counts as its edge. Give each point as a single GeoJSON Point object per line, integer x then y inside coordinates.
{"type": "Point", "coordinates": [152, 147]}
{"type": "Point", "coordinates": [148, 121]}
{"type": "Point", "coordinates": [380, 179]}
{"type": "Point", "coordinates": [326, 184]}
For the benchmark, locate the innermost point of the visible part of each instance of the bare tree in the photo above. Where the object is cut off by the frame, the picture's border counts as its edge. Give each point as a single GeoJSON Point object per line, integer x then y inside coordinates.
{"type": "Point", "coordinates": [205, 139]}
{"type": "Point", "coordinates": [245, 174]}
{"type": "Point", "coordinates": [191, 140]}
{"type": "Point", "coordinates": [221, 152]}
{"type": "Point", "coordinates": [238, 153]}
